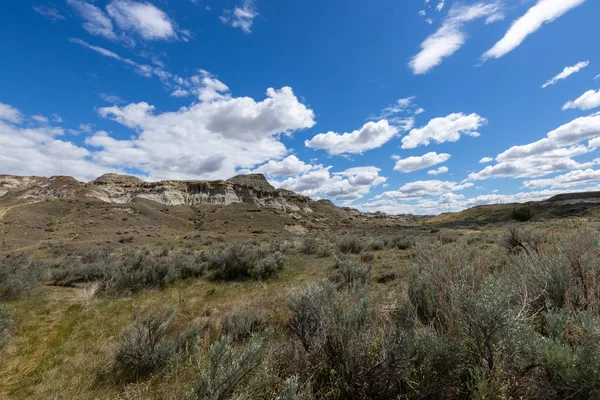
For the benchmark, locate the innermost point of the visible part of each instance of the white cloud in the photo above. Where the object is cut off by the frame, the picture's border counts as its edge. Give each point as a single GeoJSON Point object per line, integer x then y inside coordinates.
{"type": "Point", "coordinates": [440, 6]}
{"type": "Point", "coordinates": [419, 111]}
{"type": "Point", "coordinates": [49, 12]}
{"type": "Point", "coordinates": [143, 19]}
{"type": "Point", "coordinates": [180, 93]}
{"type": "Point", "coordinates": [582, 128]}
{"type": "Point", "coordinates": [9, 113]}
{"type": "Point", "coordinates": [289, 166]}
{"type": "Point", "coordinates": [450, 36]}
{"type": "Point", "coordinates": [566, 72]}
{"type": "Point", "coordinates": [439, 171]}
{"type": "Point", "coordinates": [451, 202]}
{"type": "Point", "coordinates": [96, 21]}
{"type": "Point", "coordinates": [40, 119]}
{"type": "Point", "coordinates": [209, 139]}
{"type": "Point", "coordinates": [572, 179]}
{"type": "Point", "coordinates": [421, 189]}
{"type": "Point", "coordinates": [544, 11]}
{"type": "Point", "coordinates": [411, 164]}
{"type": "Point", "coordinates": [371, 136]}
{"type": "Point", "coordinates": [39, 151]}
{"type": "Point", "coordinates": [445, 129]}
{"type": "Point", "coordinates": [587, 101]}
{"type": "Point", "coordinates": [486, 160]}
{"type": "Point", "coordinates": [112, 98]}
{"type": "Point", "coordinates": [346, 186]}
{"type": "Point", "coordinates": [241, 16]}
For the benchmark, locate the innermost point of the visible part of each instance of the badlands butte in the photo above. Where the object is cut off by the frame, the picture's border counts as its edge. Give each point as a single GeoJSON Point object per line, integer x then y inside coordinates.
{"type": "Point", "coordinates": [37, 212]}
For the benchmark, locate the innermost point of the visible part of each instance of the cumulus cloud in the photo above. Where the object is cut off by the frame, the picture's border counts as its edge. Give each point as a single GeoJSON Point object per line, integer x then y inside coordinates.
{"type": "Point", "coordinates": [451, 202]}
{"type": "Point", "coordinates": [289, 166]}
{"type": "Point", "coordinates": [9, 113]}
{"type": "Point", "coordinates": [239, 132]}
{"type": "Point", "coordinates": [445, 129]}
{"type": "Point", "coordinates": [486, 160]}
{"type": "Point", "coordinates": [552, 154]}
{"type": "Point", "coordinates": [26, 150]}
{"type": "Point", "coordinates": [241, 16]}
{"type": "Point", "coordinates": [371, 136]}
{"type": "Point", "coordinates": [411, 164]}
{"type": "Point", "coordinates": [421, 189]}
{"type": "Point", "coordinates": [346, 186]}
{"type": "Point", "coordinates": [587, 101]}
{"type": "Point", "coordinates": [571, 179]}
{"type": "Point", "coordinates": [543, 12]}
{"type": "Point", "coordinates": [143, 19]}
{"type": "Point", "coordinates": [438, 171]}
{"type": "Point", "coordinates": [566, 72]}
{"type": "Point", "coordinates": [451, 36]}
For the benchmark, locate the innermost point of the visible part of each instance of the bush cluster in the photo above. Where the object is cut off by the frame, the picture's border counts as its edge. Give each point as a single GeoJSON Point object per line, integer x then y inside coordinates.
{"type": "Point", "coordinates": [129, 272]}
{"type": "Point", "coordinates": [18, 276]}
{"type": "Point", "coordinates": [241, 261]}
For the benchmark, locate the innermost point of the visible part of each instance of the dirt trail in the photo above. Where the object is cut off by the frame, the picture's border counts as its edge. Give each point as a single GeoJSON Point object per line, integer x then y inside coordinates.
{"type": "Point", "coordinates": [4, 210]}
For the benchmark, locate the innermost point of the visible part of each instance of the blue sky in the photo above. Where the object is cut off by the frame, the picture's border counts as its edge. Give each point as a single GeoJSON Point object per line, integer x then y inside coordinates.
{"type": "Point", "coordinates": [409, 106]}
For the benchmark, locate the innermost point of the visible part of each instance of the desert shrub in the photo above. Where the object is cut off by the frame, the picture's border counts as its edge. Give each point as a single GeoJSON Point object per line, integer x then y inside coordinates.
{"type": "Point", "coordinates": [569, 354]}
{"type": "Point", "coordinates": [349, 273]}
{"type": "Point", "coordinates": [242, 325]}
{"type": "Point", "coordinates": [293, 391]}
{"type": "Point", "coordinates": [367, 257]}
{"type": "Point", "coordinates": [377, 245]}
{"type": "Point", "coordinates": [144, 348]}
{"type": "Point", "coordinates": [310, 245]}
{"type": "Point", "coordinates": [350, 245]}
{"type": "Point", "coordinates": [7, 326]}
{"type": "Point", "coordinates": [226, 368]}
{"type": "Point", "coordinates": [18, 276]}
{"type": "Point", "coordinates": [517, 240]}
{"type": "Point", "coordinates": [563, 272]}
{"type": "Point", "coordinates": [325, 250]}
{"type": "Point", "coordinates": [240, 261]}
{"type": "Point", "coordinates": [399, 242]}
{"type": "Point", "coordinates": [522, 213]}
{"type": "Point", "coordinates": [138, 270]}
{"type": "Point", "coordinates": [130, 272]}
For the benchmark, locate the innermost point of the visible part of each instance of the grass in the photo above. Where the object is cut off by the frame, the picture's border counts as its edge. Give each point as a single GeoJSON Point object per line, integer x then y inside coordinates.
{"type": "Point", "coordinates": [62, 348]}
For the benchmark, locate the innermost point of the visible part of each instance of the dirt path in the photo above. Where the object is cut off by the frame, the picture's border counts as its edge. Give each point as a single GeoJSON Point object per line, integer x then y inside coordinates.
{"type": "Point", "coordinates": [4, 210]}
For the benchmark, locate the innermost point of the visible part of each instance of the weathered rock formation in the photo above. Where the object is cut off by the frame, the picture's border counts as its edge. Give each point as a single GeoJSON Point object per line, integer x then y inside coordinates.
{"type": "Point", "coordinates": [113, 188]}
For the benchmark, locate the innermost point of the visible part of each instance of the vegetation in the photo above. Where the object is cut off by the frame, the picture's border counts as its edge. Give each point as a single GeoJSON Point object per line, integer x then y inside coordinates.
{"type": "Point", "coordinates": [507, 313]}
{"type": "Point", "coordinates": [522, 213]}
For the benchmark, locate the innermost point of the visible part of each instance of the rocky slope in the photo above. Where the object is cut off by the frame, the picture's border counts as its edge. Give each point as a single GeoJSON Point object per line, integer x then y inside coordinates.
{"type": "Point", "coordinates": [113, 188]}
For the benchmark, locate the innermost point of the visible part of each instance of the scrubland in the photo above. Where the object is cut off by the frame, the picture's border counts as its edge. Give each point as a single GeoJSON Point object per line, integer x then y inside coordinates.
{"type": "Point", "coordinates": [506, 312]}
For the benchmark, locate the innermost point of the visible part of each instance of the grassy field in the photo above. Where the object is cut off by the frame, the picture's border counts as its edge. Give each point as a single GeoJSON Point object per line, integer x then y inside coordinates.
{"type": "Point", "coordinates": [217, 303]}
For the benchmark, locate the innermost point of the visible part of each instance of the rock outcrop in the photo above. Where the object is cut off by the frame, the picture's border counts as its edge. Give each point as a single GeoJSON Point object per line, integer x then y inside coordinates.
{"type": "Point", "coordinates": [113, 188]}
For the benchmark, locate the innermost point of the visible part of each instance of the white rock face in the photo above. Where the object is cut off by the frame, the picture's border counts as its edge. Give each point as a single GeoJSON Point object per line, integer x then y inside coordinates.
{"type": "Point", "coordinates": [3, 192]}
{"type": "Point", "coordinates": [112, 188]}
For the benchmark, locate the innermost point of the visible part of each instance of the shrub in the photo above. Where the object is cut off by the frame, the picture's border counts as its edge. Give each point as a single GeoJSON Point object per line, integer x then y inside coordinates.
{"type": "Point", "coordinates": [349, 273]}
{"type": "Point", "coordinates": [367, 257]}
{"type": "Point", "coordinates": [144, 348]}
{"type": "Point", "coordinates": [240, 261]}
{"type": "Point", "coordinates": [377, 245]}
{"type": "Point", "coordinates": [225, 368]}
{"type": "Point", "coordinates": [18, 276]}
{"type": "Point", "coordinates": [399, 242]}
{"type": "Point", "coordinates": [130, 272]}
{"type": "Point", "coordinates": [350, 245]}
{"type": "Point", "coordinates": [522, 213]}
{"type": "Point", "coordinates": [242, 325]}
{"type": "Point", "coordinates": [7, 326]}
{"type": "Point", "coordinates": [310, 245]}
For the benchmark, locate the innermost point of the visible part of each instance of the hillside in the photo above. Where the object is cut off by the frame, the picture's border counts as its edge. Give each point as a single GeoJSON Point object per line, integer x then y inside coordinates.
{"type": "Point", "coordinates": [585, 204]}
